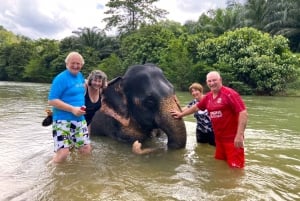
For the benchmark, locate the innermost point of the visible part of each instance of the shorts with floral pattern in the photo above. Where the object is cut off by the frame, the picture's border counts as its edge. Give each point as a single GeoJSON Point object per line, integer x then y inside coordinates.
{"type": "Point", "coordinates": [67, 134]}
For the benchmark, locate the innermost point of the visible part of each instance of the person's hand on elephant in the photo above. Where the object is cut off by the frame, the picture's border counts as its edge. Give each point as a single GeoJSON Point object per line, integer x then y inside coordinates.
{"type": "Point", "coordinates": [176, 114]}
{"type": "Point", "coordinates": [137, 148]}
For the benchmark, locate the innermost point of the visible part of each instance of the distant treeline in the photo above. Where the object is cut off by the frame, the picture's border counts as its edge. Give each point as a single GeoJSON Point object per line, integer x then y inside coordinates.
{"type": "Point", "coordinates": [253, 57]}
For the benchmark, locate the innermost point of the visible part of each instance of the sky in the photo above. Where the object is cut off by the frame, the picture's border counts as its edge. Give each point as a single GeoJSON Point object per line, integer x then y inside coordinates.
{"type": "Point", "coordinates": [56, 19]}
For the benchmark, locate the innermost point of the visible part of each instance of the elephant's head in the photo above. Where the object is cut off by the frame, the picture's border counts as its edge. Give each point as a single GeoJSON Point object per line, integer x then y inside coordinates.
{"type": "Point", "coordinates": [137, 103]}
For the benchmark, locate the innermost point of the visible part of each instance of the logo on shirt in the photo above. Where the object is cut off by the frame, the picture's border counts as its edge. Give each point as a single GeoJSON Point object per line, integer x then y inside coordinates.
{"type": "Point", "coordinates": [79, 85]}
{"type": "Point", "coordinates": [215, 114]}
{"type": "Point", "coordinates": [219, 100]}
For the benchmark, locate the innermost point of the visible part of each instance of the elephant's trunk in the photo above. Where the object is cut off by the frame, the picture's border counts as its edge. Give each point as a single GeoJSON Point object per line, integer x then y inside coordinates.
{"type": "Point", "coordinates": [174, 128]}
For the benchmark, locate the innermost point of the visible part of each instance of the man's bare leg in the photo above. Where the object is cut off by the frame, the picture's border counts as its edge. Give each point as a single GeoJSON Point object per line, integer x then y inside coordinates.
{"type": "Point", "coordinates": [61, 155]}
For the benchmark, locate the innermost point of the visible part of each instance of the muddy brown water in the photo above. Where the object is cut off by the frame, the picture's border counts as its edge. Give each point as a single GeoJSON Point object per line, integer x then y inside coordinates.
{"type": "Point", "coordinates": [112, 172]}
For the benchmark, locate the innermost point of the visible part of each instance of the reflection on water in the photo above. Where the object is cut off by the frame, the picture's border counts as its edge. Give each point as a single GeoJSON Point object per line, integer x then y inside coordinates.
{"type": "Point", "coordinates": [112, 172]}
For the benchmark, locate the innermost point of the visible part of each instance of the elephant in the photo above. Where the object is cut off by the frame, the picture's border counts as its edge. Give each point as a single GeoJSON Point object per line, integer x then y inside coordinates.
{"type": "Point", "coordinates": [138, 103]}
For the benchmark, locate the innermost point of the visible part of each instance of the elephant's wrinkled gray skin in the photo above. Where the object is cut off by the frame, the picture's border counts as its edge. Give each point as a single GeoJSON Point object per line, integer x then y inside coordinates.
{"type": "Point", "coordinates": [136, 104]}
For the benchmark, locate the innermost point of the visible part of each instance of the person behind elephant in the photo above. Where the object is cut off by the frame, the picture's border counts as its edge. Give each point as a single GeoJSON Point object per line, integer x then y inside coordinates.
{"type": "Point", "coordinates": [95, 83]}
{"type": "Point", "coordinates": [66, 97]}
{"type": "Point", "coordinates": [204, 131]}
{"type": "Point", "coordinates": [229, 117]}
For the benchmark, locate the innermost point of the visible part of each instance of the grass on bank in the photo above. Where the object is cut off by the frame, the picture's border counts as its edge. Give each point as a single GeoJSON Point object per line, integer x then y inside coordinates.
{"type": "Point", "coordinates": [294, 88]}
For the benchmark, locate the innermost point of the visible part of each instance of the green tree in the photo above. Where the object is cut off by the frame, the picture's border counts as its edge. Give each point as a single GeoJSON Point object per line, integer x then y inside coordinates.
{"type": "Point", "coordinates": [38, 68]}
{"type": "Point", "coordinates": [7, 37]}
{"type": "Point", "coordinates": [71, 43]}
{"type": "Point", "coordinates": [90, 37]}
{"type": "Point", "coordinates": [91, 59]}
{"type": "Point", "coordinates": [176, 63]}
{"type": "Point", "coordinates": [145, 45]}
{"type": "Point", "coordinates": [19, 55]}
{"type": "Point", "coordinates": [128, 15]}
{"type": "Point", "coordinates": [174, 27]}
{"type": "Point", "coordinates": [4, 55]}
{"type": "Point", "coordinates": [222, 20]}
{"type": "Point", "coordinates": [192, 42]}
{"type": "Point", "coordinates": [249, 58]}
{"type": "Point", "coordinates": [283, 17]}
{"type": "Point", "coordinates": [112, 66]}
{"type": "Point", "coordinates": [199, 68]}
{"type": "Point", "coordinates": [255, 13]}
{"type": "Point", "coordinates": [97, 39]}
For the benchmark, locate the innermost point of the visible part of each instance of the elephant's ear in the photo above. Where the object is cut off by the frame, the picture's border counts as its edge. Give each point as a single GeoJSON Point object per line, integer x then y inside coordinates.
{"type": "Point", "coordinates": [114, 102]}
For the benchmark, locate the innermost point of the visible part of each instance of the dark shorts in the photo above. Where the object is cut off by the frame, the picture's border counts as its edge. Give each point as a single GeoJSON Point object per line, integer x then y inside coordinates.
{"type": "Point", "coordinates": [67, 134]}
{"type": "Point", "coordinates": [205, 137]}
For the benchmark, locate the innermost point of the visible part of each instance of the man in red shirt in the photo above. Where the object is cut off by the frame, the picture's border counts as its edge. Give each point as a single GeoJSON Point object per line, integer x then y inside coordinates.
{"type": "Point", "coordinates": [229, 117]}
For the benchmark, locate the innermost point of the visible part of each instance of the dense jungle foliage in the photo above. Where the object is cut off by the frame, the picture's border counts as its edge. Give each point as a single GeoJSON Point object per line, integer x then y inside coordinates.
{"type": "Point", "coordinates": [255, 46]}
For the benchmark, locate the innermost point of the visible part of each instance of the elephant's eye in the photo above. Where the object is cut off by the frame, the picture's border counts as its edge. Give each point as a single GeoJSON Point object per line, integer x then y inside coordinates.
{"type": "Point", "coordinates": [149, 102]}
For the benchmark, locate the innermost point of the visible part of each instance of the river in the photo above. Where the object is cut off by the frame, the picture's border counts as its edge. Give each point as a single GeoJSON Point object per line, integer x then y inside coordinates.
{"type": "Point", "coordinates": [112, 172]}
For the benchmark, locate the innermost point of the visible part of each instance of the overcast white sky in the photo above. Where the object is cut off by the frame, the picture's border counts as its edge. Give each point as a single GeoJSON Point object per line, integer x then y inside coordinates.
{"type": "Point", "coordinates": [56, 19]}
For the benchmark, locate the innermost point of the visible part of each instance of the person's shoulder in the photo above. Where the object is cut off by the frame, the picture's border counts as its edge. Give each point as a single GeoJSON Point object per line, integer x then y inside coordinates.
{"type": "Point", "coordinates": [193, 102]}
{"type": "Point", "coordinates": [207, 95]}
{"type": "Point", "coordinates": [60, 76]}
{"type": "Point", "coordinates": [80, 74]}
{"type": "Point", "coordinates": [228, 91]}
